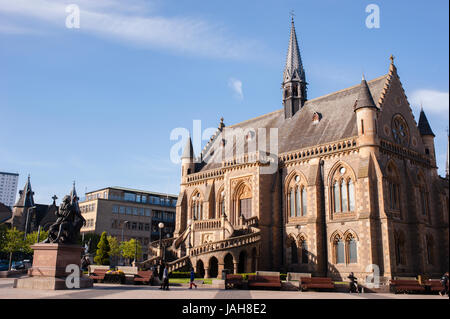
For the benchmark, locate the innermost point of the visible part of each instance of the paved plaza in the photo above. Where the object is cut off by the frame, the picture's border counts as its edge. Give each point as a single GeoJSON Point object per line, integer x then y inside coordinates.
{"type": "Point", "coordinates": [113, 291]}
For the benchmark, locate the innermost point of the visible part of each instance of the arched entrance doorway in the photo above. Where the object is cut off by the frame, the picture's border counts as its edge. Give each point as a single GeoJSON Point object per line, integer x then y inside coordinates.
{"type": "Point", "coordinates": [200, 269]}
{"type": "Point", "coordinates": [242, 262]}
{"type": "Point", "coordinates": [213, 267]}
{"type": "Point", "coordinates": [228, 263]}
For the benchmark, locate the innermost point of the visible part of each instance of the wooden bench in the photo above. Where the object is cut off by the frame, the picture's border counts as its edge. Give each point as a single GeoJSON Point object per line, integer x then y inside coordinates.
{"type": "Point", "coordinates": [256, 281]}
{"type": "Point", "coordinates": [144, 276]}
{"type": "Point", "coordinates": [316, 283]}
{"type": "Point", "coordinates": [406, 286]}
{"type": "Point", "coordinates": [233, 281]}
{"type": "Point", "coordinates": [433, 285]}
{"type": "Point", "coordinates": [98, 275]}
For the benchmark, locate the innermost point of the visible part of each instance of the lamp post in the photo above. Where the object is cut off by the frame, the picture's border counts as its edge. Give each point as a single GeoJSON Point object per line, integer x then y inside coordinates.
{"type": "Point", "coordinates": [161, 226]}
{"type": "Point", "coordinates": [121, 255]}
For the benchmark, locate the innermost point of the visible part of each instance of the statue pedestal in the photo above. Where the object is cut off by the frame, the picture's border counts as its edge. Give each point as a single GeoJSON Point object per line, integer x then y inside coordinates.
{"type": "Point", "coordinates": [49, 267]}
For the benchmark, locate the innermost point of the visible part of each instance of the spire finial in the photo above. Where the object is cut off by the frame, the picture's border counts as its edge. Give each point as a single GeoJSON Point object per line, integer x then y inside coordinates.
{"type": "Point", "coordinates": [363, 77]}
{"type": "Point", "coordinates": [292, 15]}
{"type": "Point", "coordinates": [392, 59]}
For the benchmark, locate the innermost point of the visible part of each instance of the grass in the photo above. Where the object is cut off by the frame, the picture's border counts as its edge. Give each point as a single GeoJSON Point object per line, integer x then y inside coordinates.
{"type": "Point", "coordinates": [207, 281]}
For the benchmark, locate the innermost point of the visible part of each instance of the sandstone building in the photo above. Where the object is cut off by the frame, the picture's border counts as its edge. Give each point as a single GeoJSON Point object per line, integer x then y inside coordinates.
{"type": "Point", "coordinates": [355, 185]}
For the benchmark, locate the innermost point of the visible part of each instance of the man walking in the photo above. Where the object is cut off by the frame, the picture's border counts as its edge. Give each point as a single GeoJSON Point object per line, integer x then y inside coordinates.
{"type": "Point", "coordinates": [444, 282]}
{"type": "Point", "coordinates": [192, 283]}
{"type": "Point", "coordinates": [165, 279]}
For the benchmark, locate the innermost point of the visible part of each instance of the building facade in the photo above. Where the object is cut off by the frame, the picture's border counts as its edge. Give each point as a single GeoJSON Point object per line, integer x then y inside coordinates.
{"type": "Point", "coordinates": [355, 187]}
{"type": "Point", "coordinates": [133, 213]}
{"type": "Point", "coordinates": [8, 188]}
{"type": "Point", "coordinates": [29, 216]}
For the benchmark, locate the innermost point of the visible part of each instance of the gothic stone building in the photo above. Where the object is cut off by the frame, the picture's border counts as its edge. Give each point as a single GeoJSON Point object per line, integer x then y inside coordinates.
{"type": "Point", "coordinates": [356, 185]}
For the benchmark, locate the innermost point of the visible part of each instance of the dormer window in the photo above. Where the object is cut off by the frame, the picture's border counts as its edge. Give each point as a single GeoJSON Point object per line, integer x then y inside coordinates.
{"type": "Point", "coordinates": [316, 118]}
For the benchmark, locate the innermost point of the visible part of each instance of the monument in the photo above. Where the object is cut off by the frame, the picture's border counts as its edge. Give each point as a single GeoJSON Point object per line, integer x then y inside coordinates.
{"type": "Point", "coordinates": [57, 260]}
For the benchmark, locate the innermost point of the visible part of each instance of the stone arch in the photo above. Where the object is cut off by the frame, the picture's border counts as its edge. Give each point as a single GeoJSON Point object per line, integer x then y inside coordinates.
{"type": "Point", "coordinates": [342, 188]}
{"type": "Point", "coordinates": [336, 166]}
{"type": "Point", "coordinates": [352, 233]}
{"type": "Point", "coordinates": [228, 262]}
{"type": "Point", "coordinates": [242, 263]}
{"type": "Point", "coordinates": [292, 175]}
{"type": "Point", "coordinates": [242, 199]}
{"type": "Point", "coordinates": [200, 268]}
{"type": "Point", "coordinates": [213, 267]}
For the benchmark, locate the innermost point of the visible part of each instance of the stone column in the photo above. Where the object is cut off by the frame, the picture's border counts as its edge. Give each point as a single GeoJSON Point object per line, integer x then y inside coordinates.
{"type": "Point", "coordinates": [235, 268]}
{"type": "Point", "coordinates": [220, 268]}
{"type": "Point", "coordinates": [206, 272]}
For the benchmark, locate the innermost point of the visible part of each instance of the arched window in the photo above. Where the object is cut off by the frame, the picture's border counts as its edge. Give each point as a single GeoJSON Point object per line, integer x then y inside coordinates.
{"type": "Point", "coordinates": [243, 201]}
{"type": "Point", "coordinates": [393, 187]}
{"type": "Point", "coordinates": [343, 191]}
{"type": "Point", "coordinates": [352, 251]}
{"type": "Point", "coordinates": [399, 242]}
{"type": "Point", "coordinates": [196, 206]}
{"type": "Point", "coordinates": [297, 197]}
{"type": "Point", "coordinates": [294, 252]}
{"type": "Point", "coordinates": [423, 196]}
{"type": "Point", "coordinates": [430, 250]}
{"type": "Point", "coordinates": [221, 204]}
{"type": "Point", "coordinates": [304, 251]}
{"type": "Point", "coordinates": [339, 250]}
{"type": "Point", "coordinates": [351, 195]}
{"type": "Point", "coordinates": [292, 202]}
{"type": "Point", "coordinates": [304, 202]}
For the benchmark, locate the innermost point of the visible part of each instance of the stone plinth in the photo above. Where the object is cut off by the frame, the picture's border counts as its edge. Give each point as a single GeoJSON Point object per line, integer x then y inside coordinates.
{"type": "Point", "coordinates": [49, 267]}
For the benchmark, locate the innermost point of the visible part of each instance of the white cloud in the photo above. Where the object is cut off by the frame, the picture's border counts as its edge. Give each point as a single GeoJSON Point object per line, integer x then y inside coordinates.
{"type": "Point", "coordinates": [236, 86]}
{"type": "Point", "coordinates": [118, 20]}
{"type": "Point", "coordinates": [432, 101]}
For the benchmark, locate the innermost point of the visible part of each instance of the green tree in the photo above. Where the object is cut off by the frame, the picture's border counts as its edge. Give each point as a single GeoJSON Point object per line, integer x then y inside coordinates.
{"type": "Point", "coordinates": [32, 239]}
{"type": "Point", "coordinates": [131, 249]}
{"type": "Point", "coordinates": [103, 249]}
{"type": "Point", "coordinates": [14, 242]}
{"type": "Point", "coordinates": [114, 247]}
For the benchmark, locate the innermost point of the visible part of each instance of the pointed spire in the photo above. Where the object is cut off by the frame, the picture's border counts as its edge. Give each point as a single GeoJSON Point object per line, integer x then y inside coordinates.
{"type": "Point", "coordinates": [73, 193]}
{"type": "Point", "coordinates": [188, 150]}
{"type": "Point", "coordinates": [26, 195]}
{"type": "Point", "coordinates": [221, 124]}
{"type": "Point", "coordinates": [424, 126]}
{"type": "Point", "coordinates": [294, 67]}
{"type": "Point", "coordinates": [365, 98]}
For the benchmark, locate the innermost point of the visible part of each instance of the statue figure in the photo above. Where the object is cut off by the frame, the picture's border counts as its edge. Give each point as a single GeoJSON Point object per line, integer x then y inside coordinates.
{"type": "Point", "coordinates": [68, 224]}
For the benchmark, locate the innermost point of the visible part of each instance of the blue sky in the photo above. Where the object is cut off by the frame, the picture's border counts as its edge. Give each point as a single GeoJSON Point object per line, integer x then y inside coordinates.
{"type": "Point", "coordinates": [97, 104]}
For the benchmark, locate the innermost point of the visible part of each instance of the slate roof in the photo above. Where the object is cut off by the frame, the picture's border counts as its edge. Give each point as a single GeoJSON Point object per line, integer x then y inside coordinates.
{"type": "Point", "coordinates": [26, 196]}
{"type": "Point", "coordinates": [338, 121]}
{"type": "Point", "coordinates": [424, 126]}
{"type": "Point", "coordinates": [294, 66]}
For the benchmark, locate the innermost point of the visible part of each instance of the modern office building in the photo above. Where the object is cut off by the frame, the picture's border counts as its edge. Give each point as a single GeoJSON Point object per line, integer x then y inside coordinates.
{"type": "Point", "coordinates": [8, 188]}
{"type": "Point", "coordinates": [130, 213]}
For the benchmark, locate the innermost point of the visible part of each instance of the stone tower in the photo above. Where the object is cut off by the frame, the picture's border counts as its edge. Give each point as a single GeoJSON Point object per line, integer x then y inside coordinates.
{"type": "Point", "coordinates": [294, 82]}
{"type": "Point", "coordinates": [427, 137]}
{"type": "Point", "coordinates": [366, 117]}
{"type": "Point", "coordinates": [187, 160]}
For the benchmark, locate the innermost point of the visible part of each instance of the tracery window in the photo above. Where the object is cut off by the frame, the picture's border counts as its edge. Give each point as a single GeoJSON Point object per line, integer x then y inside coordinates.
{"type": "Point", "coordinates": [400, 130]}
{"type": "Point", "coordinates": [343, 191]}
{"type": "Point", "coordinates": [297, 198]}
{"type": "Point", "coordinates": [352, 251]}
{"type": "Point", "coordinates": [393, 188]}
{"type": "Point", "coordinates": [399, 241]}
{"type": "Point", "coordinates": [339, 250]}
{"type": "Point", "coordinates": [196, 206]}
{"type": "Point", "coordinates": [423, 196]}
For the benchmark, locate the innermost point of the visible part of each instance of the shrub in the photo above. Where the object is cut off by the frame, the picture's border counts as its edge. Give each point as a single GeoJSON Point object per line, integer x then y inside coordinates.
{"type": "Point", "coordinates": [102, 257]}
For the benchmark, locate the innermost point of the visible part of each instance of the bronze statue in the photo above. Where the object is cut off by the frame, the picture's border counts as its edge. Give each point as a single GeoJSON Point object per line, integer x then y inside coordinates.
{"type": "Point", "coordinates": [68, 224]}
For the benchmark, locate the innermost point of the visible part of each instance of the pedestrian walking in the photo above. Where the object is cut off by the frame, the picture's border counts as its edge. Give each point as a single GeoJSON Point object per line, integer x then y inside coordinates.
{"type": "Point", "coordinates": [353, 283]}
{"type": "Point", "coordinates": [444, 283]}
{"type": "Point", "coordinates": [192, 283]}
{"type": "Point", "coordinates": [165, 279]}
